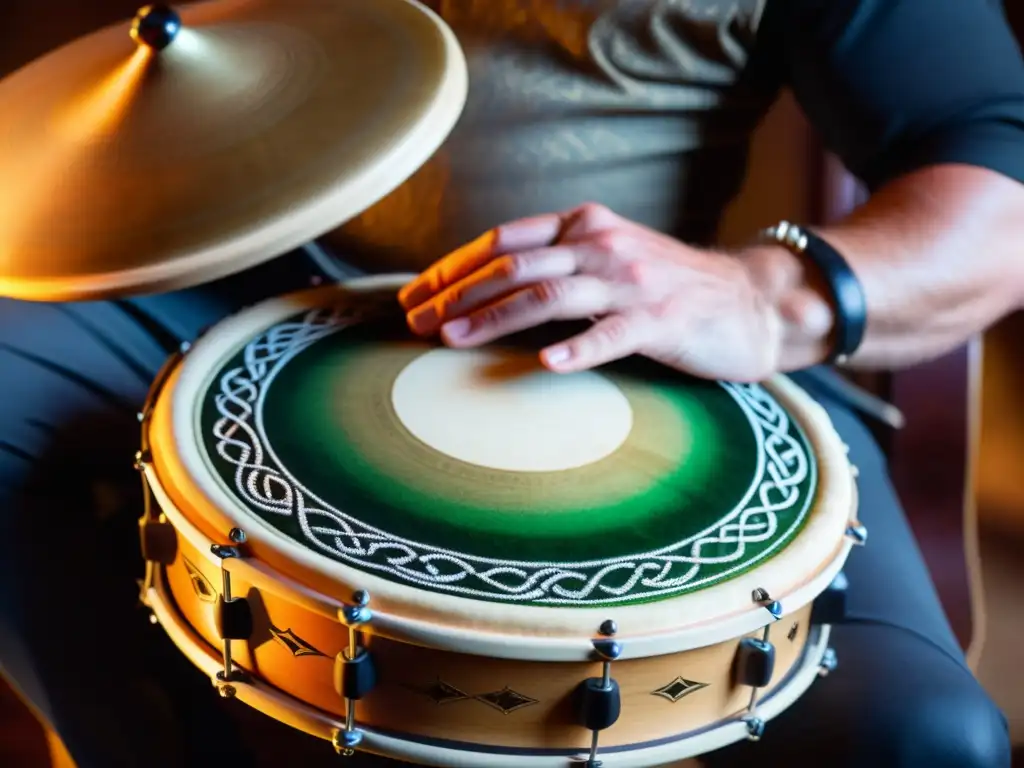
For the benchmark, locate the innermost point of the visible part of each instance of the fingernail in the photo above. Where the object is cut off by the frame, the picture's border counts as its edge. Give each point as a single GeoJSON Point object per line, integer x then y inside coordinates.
{"type": "Point", "coordinates": [555, 356]}
{"type": "Point", "coordinates": [423, 320]}
{"type": "Point", "coordinates": [411, 295]}
{"type": "Point", "coordinates": [456, 329]}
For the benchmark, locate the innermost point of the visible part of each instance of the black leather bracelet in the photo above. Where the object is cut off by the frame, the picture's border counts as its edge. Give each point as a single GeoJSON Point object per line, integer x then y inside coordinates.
{"type": "Point", "coordinates": [846, 291]}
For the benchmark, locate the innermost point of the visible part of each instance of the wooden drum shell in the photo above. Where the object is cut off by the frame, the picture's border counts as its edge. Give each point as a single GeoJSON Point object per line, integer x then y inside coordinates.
{"type": "Point", "coordinates": [400, 703]}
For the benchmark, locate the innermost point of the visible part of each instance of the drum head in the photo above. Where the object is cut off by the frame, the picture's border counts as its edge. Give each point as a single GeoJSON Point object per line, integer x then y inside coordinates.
{"type": "Point", "coordinates": [448, 475]}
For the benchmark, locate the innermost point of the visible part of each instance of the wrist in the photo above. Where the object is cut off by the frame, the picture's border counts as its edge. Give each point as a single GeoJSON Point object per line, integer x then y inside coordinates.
{"type": "Point", "coordinates": [796, 295]}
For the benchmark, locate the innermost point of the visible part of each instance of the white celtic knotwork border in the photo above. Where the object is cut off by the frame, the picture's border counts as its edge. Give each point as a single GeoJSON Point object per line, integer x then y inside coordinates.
{"type": "Point", "coordinates": [266, 486]}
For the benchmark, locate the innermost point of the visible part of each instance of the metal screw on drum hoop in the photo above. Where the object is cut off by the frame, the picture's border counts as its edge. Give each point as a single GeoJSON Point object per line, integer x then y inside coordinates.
{"type": "Point", "coordinates": [755, 663]}
{"type": "Point", "coordinates": [233, 617]}
{"type": "Point", "coordinates": [857, 533]}
{"type": "Point", "coordinates": [354, 673]}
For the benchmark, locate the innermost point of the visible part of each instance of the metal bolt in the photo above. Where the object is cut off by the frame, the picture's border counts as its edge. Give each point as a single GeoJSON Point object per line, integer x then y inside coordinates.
{"type": "Point", "coordinates": [829, 662]}
{"type": "Point", "coordinates": [142, 458]}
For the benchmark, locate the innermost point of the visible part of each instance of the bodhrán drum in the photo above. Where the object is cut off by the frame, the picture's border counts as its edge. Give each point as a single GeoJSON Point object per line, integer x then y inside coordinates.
{"type": "Point", "coordinates": [458, 557]}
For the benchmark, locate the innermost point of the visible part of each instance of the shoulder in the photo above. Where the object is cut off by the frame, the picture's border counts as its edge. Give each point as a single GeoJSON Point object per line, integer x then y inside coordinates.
{"type": "Point", "coordinates": [841, 26]}
{"type": "Point", "coordinates": [897, 84]}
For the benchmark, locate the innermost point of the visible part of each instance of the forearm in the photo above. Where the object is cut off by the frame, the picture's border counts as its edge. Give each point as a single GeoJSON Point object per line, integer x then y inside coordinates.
{"type": "Point", "coordinates": [940, 255]}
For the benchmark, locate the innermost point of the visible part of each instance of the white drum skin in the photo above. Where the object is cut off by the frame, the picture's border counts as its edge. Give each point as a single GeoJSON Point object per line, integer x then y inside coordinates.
{"type": "Point", "coordinates": [547, 422]}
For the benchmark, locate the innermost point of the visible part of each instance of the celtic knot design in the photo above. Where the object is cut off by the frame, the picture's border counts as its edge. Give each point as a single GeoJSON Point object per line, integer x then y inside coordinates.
{"type": "Point", "coordinates": [783, 464]}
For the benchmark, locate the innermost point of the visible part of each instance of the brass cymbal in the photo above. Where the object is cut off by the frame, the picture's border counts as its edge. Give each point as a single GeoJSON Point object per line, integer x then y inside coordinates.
{"type": "Point", "coordinates": [195, 143]}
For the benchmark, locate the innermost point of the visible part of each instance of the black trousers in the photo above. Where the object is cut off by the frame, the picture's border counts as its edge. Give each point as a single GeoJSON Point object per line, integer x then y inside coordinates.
{"type": "Point", "coordinates": [76, 645]}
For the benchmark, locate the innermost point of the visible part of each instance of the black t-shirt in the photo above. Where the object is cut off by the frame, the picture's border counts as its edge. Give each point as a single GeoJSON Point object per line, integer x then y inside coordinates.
{"type": "Point", "coordinates": [895, 85]}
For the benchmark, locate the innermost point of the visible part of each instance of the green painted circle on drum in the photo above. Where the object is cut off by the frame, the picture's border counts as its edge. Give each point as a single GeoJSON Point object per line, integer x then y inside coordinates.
{"type": "Point", "coordinates": [301, 427]}
{"type": "Point", "coordinates": [329, 417]}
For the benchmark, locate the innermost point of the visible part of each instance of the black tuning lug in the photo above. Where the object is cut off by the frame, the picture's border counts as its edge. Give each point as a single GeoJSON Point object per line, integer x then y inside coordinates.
{"type": "Point", "coordinates": [754, 667]}
{"type": "Point", "coordinates": [598, 699]}
{"type": "Point", "coordinates": [233, 618]}
{"type": "Point", "coordinates": [599, 703]}
{"type": "Point", "coordinates": [354, 672]}
{"type": "Point", "coordinates": [755, 662]}
{"type": "Point", "coordinates": [354, 678]}
{"type": "Point", "coordinates": [159, 541]}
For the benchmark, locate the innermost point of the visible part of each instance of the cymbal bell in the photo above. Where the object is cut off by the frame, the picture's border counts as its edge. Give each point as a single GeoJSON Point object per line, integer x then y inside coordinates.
{"type": "Point", "coordinates": [187, 145]}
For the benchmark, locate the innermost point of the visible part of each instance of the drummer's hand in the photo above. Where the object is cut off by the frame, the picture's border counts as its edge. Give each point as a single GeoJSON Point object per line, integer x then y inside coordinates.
{"type": "Point", "coordinates": [694, 310]}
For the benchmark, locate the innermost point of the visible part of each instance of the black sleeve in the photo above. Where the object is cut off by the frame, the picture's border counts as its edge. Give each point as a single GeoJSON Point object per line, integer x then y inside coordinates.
{"type": "Point", "coordinates": [896, 85]}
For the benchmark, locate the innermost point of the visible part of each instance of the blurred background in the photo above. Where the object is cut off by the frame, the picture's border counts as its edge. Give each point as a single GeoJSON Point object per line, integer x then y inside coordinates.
{"type": "Point", "coordinates": [957, 464]}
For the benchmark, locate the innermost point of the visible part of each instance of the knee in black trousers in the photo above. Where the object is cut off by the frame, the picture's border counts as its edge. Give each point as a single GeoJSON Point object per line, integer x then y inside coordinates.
{"type": "Point", "coordinates": [896, 700]}
{"type": "Point", "coordinates": [927, 709]}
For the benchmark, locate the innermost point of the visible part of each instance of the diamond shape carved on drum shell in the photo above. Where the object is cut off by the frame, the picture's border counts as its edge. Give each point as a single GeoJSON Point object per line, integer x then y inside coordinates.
{"type": "Point", "coordinates": [293, 643]}
{"type": "Point", "coordinates": [201, 585]}
{"type": "Point", "coordinates": [506, 700]}
{"type": "Point", "coordinates": [441, 692]}
{"type": "Point", "coordinates": [678, 689]}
